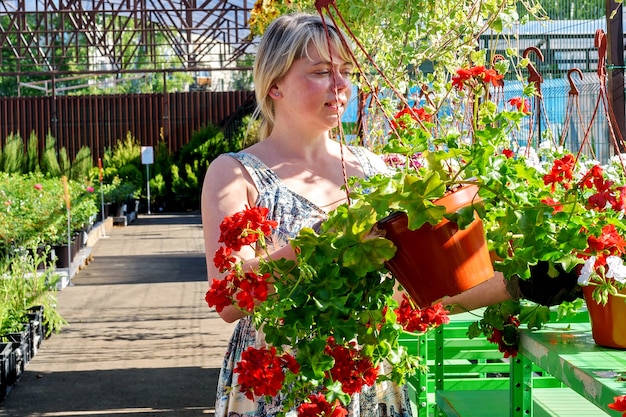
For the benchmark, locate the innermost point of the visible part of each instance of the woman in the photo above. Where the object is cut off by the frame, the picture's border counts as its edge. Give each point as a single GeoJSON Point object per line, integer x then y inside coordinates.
{"type": "Point", "coordinates": [295, 170]}
{"type": "Point", "coordinates": [302, 86]}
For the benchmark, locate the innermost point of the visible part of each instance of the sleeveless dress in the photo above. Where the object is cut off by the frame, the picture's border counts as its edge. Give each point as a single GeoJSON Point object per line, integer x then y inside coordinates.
{"type": "Point", "coordinates": [292, 212]}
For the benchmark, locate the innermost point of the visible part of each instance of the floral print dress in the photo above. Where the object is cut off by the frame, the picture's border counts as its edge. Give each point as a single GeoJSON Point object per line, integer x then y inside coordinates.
{"type": "Point", "coordinates": [292, 212]}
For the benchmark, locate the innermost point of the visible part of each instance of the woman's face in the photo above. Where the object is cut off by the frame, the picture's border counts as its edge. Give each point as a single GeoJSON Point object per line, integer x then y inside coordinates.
{"type": "Point", "coordinates": [314, 91]}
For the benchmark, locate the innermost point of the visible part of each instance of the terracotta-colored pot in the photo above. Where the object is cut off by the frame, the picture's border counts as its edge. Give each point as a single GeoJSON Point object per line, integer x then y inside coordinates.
{"type": "Point", "coordinates": [608, 322]}
{"type": "Point", "coordinates": [436, 261]}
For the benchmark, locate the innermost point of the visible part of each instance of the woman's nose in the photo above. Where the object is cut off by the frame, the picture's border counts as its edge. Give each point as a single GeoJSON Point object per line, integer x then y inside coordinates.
{"type": "Point", "coordinates": [341, 81]}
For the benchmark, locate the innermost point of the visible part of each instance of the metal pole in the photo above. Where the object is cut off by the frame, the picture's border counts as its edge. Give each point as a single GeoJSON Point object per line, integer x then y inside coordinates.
{"type": "Point", "coordinates": [69, 246]}
{"type": "Point", "coordinates": [67, 199]}
{"type": "Point", "coordinates": [148, 185]}
{"type": "Point", "coordinates": [615, 62]}
{"type": "Point", "coordinates": [104, 229]}
{"type": "Point", "coordinates": [101, 178]}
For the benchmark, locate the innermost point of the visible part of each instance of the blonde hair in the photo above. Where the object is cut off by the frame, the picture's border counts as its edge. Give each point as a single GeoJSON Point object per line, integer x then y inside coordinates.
{"type": "Point", "coordinates": [286, 40]}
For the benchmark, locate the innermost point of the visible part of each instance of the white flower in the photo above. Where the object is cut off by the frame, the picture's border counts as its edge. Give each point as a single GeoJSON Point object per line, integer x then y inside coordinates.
{"type": "Point", "coordinates": [615, 159]}
{"type": "Point", "coordinates": [617, 269]}
{"type": "Point", "coordinates": [532, 159]}
{"type": "Point", "coordinates": [586, 271]}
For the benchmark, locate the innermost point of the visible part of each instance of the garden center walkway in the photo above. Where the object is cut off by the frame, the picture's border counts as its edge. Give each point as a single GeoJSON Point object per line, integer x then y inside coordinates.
{"type": "Point", "coordinates": [141, 341]}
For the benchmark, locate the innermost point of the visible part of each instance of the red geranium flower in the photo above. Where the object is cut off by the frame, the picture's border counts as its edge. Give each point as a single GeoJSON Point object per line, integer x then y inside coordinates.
{"type": "Point", "coordinates": [261, 371]}
{"type": "Point", "coordinates": [491, 76]}
{"type": "Point", "coordinates": [221, 292]}
{"type": "Point", "coordinates": [252, 287]}
{"type": "Point", "coordinates": [508, 153]}
{"type": "Point", "coordinates": [245, 227]}
{"type": "Point", "coordinates": [318, 406]}
{"type": "Point", "coordinates": [486, 75]}
{"type": "Point", "coordinates": [556, 206]}
{"type": "Point", "coordinates": [462, 75]}
{"type": "Point", "coordinates": [415, 113]}
{"type": "Point", "coordinates": [223, 259]}
{"type": "Point", "coordinates": [619, 404]}
{"type": "Point", "coordinates": [351, 368]}
{"type": "Point", "coordinates": [521, 104]}
{"type": "Point", "coordinates": [620, 200]}
{"type": "Point", "coordinates": [507, 338]}
{"type": "Point", "coordinates": [562, 171]}
{"type": "Point", "coordinates": [415, 319]}
{"type": "Point", "coordinates": [610, 242]}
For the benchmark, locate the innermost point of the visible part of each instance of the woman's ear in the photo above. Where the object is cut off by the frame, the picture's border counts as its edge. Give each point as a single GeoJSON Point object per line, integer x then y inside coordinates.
{"type": "Point", "coordinates": [274, 92]}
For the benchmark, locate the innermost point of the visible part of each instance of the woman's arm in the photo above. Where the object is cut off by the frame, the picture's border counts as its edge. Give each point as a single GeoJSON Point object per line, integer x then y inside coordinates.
{"type": "Point", "coordinates": [489, 292]}
{"type": "Point", "coordinates": [227, 189]}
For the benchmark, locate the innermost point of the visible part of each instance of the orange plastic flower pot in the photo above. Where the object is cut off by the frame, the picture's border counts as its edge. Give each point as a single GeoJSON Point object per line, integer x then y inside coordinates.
{"type": "Point", "coordinates": [437, 261]}
{"type": "Point", "coordinates": [608, 322]}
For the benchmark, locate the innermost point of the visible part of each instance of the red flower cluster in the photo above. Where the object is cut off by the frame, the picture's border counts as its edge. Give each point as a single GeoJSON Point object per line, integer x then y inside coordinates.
{"type": "Point", "coordinates": [561, 173]}
{"type": "Point", "coordinates": [521, 104]}
{"type": "Point", "coordinates": [350, 368]}
{"type": "Point", "coordinates": [479, 72]}
{"type": "Point", "coordinates": [223, 259]}
{"type": "Point", "coordinates": [242, 228]}
{"type": "Point", "coordinates": [508, 153]}
{"type": "Point", "coordinates": [262, 372]}
{"type": "Point", "coordinates": [556, 206]}
{"type": "Point", "coordinates": [605, 193]}
{"type": "Point", "coordinates": [317, 406]}
{"type": "Point", "coordinates": [609, 243]}
{"type": "Point", "coordinates": [245, 227]}
{"type": "Point", "coordinates": [417, 114]}
{"type": "Point", "coordinates": [415, 319]}
{"type": "Point", "coordinates": [507, 338]}
{"type": "Point", "coordinates": [245, 289]}
{"type": "Point", "coordinates": [619, 404]}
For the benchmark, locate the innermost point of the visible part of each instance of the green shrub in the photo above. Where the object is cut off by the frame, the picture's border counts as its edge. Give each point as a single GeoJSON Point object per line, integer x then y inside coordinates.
{"type": "Point", "coordinates": [32, 154]}
{"type": "Point", "coordinates": [13, 154]}
{"type": "Point", "coordinates": [64, 163]}
{"type": "Point", "coordinates": [82, 165]}
{"type": "Point", "coordinates": [125, 152]}
{"type": "Point", "coordinates": [158, 188]}
{"type": "Point", "coordinates": [161, 174]}
{"type": "Point", "coordinates": [186, 187]}
{"type": "Point", "coordinates": [132, 175]}
{"type": "Point", "coordinates": [49, 160]}
{"type": "Point", "coordinates": [85, 203]}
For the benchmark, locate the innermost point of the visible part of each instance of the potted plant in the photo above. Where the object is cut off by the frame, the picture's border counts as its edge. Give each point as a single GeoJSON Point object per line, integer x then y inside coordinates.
{"type": "Point", "coordinates": [331, 306]}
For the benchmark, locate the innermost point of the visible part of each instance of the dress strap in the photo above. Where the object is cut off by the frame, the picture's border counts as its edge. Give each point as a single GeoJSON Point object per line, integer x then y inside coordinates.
{"type": "Point", "coordinates": [261, 174]}
{"type": "Point", "coordinates": [364, 160]}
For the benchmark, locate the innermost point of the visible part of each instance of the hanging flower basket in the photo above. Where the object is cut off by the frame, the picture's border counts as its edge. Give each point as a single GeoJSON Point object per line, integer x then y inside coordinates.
{"type": "Point", "coordinates": [443, 260]}
{"type": "Point", "coordinates": [608, 322]}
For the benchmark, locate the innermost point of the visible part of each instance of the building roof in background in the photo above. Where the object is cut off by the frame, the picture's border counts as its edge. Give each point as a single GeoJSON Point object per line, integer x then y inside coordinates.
{"type": "Point", "coordinates": [204, 34]}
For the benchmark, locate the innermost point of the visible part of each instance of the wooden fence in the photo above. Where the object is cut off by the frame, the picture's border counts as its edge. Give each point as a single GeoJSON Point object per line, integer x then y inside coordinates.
{"type": "Point", "coordinates": [100, 121]}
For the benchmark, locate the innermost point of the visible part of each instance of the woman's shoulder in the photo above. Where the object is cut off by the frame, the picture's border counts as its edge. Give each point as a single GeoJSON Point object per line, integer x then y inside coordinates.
{"type": "Point", "coordinates": [231, 166]}
{"type": "Point", "coordinates": [365, 155]}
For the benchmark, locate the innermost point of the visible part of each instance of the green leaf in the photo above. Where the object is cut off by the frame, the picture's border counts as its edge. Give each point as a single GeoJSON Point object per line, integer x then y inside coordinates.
{"type": "Point", "coordinates": [535, 316]}
{"type": "Point", "coordinates": [369, 255]}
